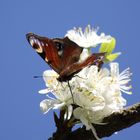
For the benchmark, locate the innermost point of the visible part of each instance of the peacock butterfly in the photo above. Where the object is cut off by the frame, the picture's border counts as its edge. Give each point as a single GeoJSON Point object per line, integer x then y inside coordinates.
{"type": "Point", "coordinates": [63, 55]}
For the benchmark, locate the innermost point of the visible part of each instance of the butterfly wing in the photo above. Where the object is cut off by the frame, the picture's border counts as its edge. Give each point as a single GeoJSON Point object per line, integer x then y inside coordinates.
{"type": "Point", "coordinates": [45, 47]}
{"type": "Point", "coordinates": [68, 51]}
{"type": "Point", "coordinates": [94, 59]}
{"type": "Point", "coordinates": [63, 55]}
{"type": "Point", "coordinates": [58, 53]}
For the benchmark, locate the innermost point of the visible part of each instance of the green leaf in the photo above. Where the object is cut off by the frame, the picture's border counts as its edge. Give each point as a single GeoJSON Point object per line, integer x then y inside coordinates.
{"type": "Point", "coordinates": [112, 57]}
{"type": "Point", "coordinates": [108, 47]}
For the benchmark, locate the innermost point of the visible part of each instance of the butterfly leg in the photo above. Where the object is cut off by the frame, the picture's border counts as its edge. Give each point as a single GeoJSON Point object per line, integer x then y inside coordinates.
{"type": "Point", "coordinates": [80, 77]}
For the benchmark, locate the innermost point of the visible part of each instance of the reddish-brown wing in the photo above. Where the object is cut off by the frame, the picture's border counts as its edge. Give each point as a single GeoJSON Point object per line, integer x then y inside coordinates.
{"type": "Point", "coordinates": [94, 59]}
{"type": "Point", "coordinates": [68, 51]}
{"type": "Point", "coordinates": [58, 53]}
{"type": "Point", "coordinates": [45, 48]}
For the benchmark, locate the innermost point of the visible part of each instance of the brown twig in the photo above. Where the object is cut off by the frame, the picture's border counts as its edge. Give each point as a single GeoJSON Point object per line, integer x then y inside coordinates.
{"type": "Point", "coordinates": [115, 122]}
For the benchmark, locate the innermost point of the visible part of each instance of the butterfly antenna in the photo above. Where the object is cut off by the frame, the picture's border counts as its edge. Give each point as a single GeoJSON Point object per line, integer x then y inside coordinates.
{"type": "Point", "coordinates": [70, 90]}
{"type": "Point", "coordinates": [37, 76]}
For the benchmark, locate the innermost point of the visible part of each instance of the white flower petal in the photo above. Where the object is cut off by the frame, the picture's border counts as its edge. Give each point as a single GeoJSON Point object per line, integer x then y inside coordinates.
{"type": "Point", "coordinates": [85, 54]}
{"type": "Point", "coordinates": [120, 81]}
{"type": "Point", "coordinates": [46, 105]}
{"type": "Point", "coordinates": [79, 113]}
{"type": "Point", "coordinates": [89, 100]}
{"type": "Point", "coordinates": [45, 91]}
{"type": "Point", "coordinates": [69, 112]}
{"type": "Point", "coordinates": [82, 115]}
{"type": "Point", "coordinates": [88, 38]}
{"type": "Point", "coordinates": [58, 105]}
{"type": "Point", "coordinates": [50, 78]}
{"type": "Point", "coordinates": [94, 132]}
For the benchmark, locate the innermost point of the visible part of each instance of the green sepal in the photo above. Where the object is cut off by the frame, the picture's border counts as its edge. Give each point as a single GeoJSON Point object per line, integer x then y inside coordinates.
{"type": "Point", "coordinates": [108, 47]}
{"type": "Point", "coordinates": [111, 57]}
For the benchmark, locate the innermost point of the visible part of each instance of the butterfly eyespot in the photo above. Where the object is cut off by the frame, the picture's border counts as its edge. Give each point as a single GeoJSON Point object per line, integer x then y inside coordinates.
{"type": "Point", "coordinates": [59, 47]}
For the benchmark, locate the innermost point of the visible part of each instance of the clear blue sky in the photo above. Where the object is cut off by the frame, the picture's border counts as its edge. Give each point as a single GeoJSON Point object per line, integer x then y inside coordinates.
{"type": "Point", "coordinates": [20, 116]}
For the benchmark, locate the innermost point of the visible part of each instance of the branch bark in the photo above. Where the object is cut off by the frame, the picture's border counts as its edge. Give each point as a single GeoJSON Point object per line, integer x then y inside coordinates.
{"type": "Point", "coordinates": [115, 122]}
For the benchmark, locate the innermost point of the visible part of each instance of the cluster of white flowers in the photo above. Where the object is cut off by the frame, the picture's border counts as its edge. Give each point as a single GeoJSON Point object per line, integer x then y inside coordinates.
{"type": "Point", "coordinates": [88, 38]}
{"type": "Point", "coordinates": [97, 94]}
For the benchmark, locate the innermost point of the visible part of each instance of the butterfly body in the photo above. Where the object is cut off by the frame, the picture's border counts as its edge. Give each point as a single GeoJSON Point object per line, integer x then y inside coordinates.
{"type": "Point", "coordinates": [63, 55]}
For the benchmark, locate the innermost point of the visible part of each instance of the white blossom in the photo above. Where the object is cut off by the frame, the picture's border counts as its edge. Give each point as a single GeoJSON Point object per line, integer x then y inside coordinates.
{"type": "Point", "coordinates": [61, 94]}
{"type": "Point", "coordinates": [120, 81]}
{"type": "Point", "coordinates": [95, 93]}
{"type": "Point", "coordinates": [88, 38]}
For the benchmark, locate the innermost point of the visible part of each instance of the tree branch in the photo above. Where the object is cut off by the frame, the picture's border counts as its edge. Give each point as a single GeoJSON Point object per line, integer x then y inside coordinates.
{"type": "Point", "coordinates": [115, 122]}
